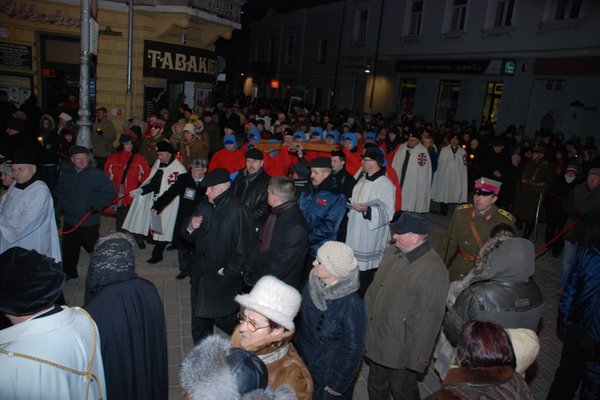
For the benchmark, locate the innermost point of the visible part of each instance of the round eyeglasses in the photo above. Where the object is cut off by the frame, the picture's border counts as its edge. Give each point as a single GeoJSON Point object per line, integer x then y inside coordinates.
{"type": "Point", "coordinates": [249, 323]}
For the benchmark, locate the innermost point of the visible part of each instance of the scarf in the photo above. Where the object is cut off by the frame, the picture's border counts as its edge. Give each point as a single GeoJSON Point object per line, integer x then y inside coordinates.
{"type": "Point", "coordinates": [320, 293]}
{"type": "Point", "coordinates": [267, 232]}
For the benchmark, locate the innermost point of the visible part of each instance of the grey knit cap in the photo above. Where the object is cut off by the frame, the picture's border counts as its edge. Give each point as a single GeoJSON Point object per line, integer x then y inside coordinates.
{"type": "Point", "coordinates": [337, 258]}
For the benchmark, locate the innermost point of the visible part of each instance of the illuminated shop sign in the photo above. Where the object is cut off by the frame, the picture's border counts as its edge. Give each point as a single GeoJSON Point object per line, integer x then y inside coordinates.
{"type": "Point", "coordinates": [181, 63]}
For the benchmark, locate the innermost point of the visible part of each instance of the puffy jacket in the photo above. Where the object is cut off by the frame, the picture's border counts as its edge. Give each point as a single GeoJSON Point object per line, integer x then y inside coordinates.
{"type": "Point", "coordinates": [323, 209]}
{"type": "Point", "coordinates": [511, 305]}
{"type": "Point", "coordinates": [580, 302]}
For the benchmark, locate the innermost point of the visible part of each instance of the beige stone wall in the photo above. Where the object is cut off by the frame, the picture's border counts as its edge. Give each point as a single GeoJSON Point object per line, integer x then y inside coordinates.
{"type": "Point", "coordinates": [111, 71]}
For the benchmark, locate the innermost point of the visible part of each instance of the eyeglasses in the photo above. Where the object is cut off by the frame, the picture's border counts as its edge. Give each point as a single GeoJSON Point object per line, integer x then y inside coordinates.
{"type": "Point", "coordinates": [249, 323]}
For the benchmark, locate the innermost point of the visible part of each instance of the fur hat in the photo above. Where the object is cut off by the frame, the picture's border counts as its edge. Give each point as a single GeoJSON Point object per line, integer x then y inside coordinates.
{"type": "Point", "coordinates": [29, 281]}
{"type": "Point", "coordinates": [214, 370]}
{"type": "Point", "coordinates": [65, 116]}
{"type": "Point", "coordinates": [163, 145]}
{"type": "Point", "coordinates": [189, 127]}
{"type": "Point", "coordinates": [337, 258]}
{"type": "Point", "coordinates": [273, 299]}
{"type": "Point", "coordinates": [526, 345]}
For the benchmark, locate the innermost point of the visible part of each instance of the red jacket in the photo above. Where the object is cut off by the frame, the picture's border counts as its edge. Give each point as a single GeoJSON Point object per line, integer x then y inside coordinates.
{"type": "Point", "coordinates": [136, 174]}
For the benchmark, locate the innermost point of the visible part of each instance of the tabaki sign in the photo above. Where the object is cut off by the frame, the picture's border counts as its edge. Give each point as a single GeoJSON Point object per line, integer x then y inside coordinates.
{"type": "Point", "coordinates": [182, 63]}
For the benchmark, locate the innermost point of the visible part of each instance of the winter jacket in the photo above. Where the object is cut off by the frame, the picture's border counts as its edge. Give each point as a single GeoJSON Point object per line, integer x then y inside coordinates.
{"type": "Point", "coordinates": [405, 305]}
{"type": "Point", "coordinates": [331, 342]}
{"type": "Point", "coordinates": [103, 134]}
{"type": "Point", "coordinates": [323, 208]}
{"type": "Point", "coordinates": [223, 241]}
{"type": "Point", "coordinates": [583, 203]}
{"type": "Point", "coordinates": [284, 367]}
{"type": "Point", "coordinates": [193, 149]}
{"type": "Point", "coordinates": [491, 383]}
{"type": "Point", "coordinates": [287, 251]}
{"type": "Point", "coordinates": [253, 193]}
{"type": "Point", "coordinates": [78, 192]}
{"type": "Point", "coordinates": [580, 302]}
{"type": "Point", "coordinates": [136, 174]}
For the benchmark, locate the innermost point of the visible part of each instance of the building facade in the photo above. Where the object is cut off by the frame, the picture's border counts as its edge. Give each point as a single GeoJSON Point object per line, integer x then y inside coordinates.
{"type": "Point", "coordinates": [503, 61]}
{"type": "Point", "coordinates": [171, 51]}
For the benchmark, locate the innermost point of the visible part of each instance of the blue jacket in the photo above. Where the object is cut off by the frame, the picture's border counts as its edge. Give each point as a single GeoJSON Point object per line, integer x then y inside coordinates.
{"type": "Point", "coordinates": [580, 302]}
{"type": "Point", "coordinates": [332, 342]}
{"type": "Point", "coordinates": [323, 209]}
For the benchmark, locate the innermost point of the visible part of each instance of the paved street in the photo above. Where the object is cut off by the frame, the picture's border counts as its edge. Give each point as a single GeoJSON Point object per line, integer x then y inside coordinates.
{"type": "Point", "coordinates": [176, 298]}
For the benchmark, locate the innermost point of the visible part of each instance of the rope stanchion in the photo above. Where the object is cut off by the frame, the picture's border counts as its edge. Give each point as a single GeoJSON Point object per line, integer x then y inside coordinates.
{"type": "Point", "coordinates": [87, 215]}
{"type": "Point", "coordinates": [543, 247]}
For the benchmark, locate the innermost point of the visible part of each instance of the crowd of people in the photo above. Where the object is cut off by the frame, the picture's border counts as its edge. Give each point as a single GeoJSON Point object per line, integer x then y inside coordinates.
{"type": "Point", "coordinates": [305, 237]}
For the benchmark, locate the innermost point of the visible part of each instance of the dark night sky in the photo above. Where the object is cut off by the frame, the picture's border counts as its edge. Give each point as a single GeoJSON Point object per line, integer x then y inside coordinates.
{"type": "Point", "coordinates": [256, 9]}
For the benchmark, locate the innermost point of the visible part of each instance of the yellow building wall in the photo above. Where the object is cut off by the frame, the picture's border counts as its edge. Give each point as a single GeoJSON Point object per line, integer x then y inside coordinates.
{"type": "Point", "coordinates": [111, 69]}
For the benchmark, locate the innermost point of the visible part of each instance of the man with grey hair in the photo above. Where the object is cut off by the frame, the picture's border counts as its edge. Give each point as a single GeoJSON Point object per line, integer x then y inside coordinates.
{"type": "Point", "coordinates": [222, 230]}
{"type": "Point", "coordinates": [405, 305]}
{"type": "Point", "coordinates": [283, 239]}
{"type": "Point", "coordinates": [191, 193]}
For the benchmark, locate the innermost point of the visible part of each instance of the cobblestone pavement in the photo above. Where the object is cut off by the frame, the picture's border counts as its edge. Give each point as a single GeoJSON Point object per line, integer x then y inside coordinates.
{"type": "Point", "coordinates": [175, 295]}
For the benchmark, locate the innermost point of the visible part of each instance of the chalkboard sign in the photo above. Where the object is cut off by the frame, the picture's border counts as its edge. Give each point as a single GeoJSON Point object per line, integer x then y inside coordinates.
{"type": "Point", "coordinates": [15, 56]}
{"type": "Point", "coordinates": [155, 99]}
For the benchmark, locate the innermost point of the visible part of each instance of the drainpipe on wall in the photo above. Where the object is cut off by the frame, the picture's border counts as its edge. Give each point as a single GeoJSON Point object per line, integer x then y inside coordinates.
{"type": "Point", "coordinates": [83, 138]}
{"type": "Point", "coordinates": [376, 57]}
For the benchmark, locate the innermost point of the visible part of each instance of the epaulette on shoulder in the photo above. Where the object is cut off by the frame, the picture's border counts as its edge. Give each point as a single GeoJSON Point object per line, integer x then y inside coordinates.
{"type": "Point", "coordinates": [464, 206]}
{"type": "Point", "coordinates": [507, 214]}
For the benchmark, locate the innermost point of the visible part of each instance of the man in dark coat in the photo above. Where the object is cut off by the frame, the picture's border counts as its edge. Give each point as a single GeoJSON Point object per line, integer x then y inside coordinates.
{"type": "Point", "coordinates": [538, 176]}
{"type": "Point", "coordinates": [496, 164]}
{"type": "Point", "coordinates": [405, 308]}
{"type": "Point", "coordinates": [81, 188]}
{"type": "Point", "coordinates": [283, 241]}
{"type": "Point", "coordinates": [19, 138]}
{"type": "Point", "coordinates": [131, 321]}
{"type": "Point", "coordinates": [345, 182]}
{"type": "Point", "coordinates": [223, 233]}
{"type": "Point", "coordinates": [557, 217]}
{"type": "Point", "coordinates": [250, 186]}
{"type": "Point", "coordinates": [191, 193]}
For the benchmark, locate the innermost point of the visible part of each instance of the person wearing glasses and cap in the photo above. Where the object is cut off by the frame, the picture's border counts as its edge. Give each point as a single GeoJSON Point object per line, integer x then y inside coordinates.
{"type": "Point", "coordinates": [266, 329]}
{"type": "Point", "coordinates": [470, 228]}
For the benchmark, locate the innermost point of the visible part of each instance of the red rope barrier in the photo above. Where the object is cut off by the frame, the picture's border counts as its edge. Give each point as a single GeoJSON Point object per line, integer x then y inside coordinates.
{"type": "Point", "coordinates": [541, 249]}
{"type": "Point", "coordinates": [86, 216]}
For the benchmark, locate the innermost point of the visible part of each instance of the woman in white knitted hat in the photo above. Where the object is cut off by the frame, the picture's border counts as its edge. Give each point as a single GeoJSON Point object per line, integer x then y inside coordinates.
{"type": "Point", "coordinates": [331, 333]}
{"type": "Point", "coordinates": [266, 329]}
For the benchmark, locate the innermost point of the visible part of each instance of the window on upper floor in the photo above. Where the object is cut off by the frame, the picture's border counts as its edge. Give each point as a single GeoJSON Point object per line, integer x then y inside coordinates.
{"type": "Point", "coordinates": [458, 15]}
{"type": "Point", "coordinates": [322, 55]}
{"type": "Point", "coordinates": [416, 17]}
{"type": "Point", "coordinates": [361, 18]}
{"type": "Point", "coordinates": [567, 9]}
{"type": "Point", "coordinates": [503, 12]}
{"type": "Point", "coordinates": [272, 50]}
{"type": "Point", "coordinates": [289, 54]}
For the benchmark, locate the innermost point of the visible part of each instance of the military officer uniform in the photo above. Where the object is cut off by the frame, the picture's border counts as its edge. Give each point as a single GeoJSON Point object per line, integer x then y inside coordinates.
{"type": "Point", "coordinates": [470, 229]}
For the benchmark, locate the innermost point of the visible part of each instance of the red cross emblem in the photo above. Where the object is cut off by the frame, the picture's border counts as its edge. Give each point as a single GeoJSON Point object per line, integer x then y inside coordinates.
{"type": "Point", "coordinates": [422, 159]}
{"type": "Point", "coordinates": [172, 178]}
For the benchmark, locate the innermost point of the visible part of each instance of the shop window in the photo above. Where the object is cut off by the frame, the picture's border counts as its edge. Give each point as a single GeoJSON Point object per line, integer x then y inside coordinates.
{"type": "Point", "coordinates": [406, 100]}
{"type": "Point", "coordinates": [447, 100]}
{"type": "Point", "coordinates": [493, 97]}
